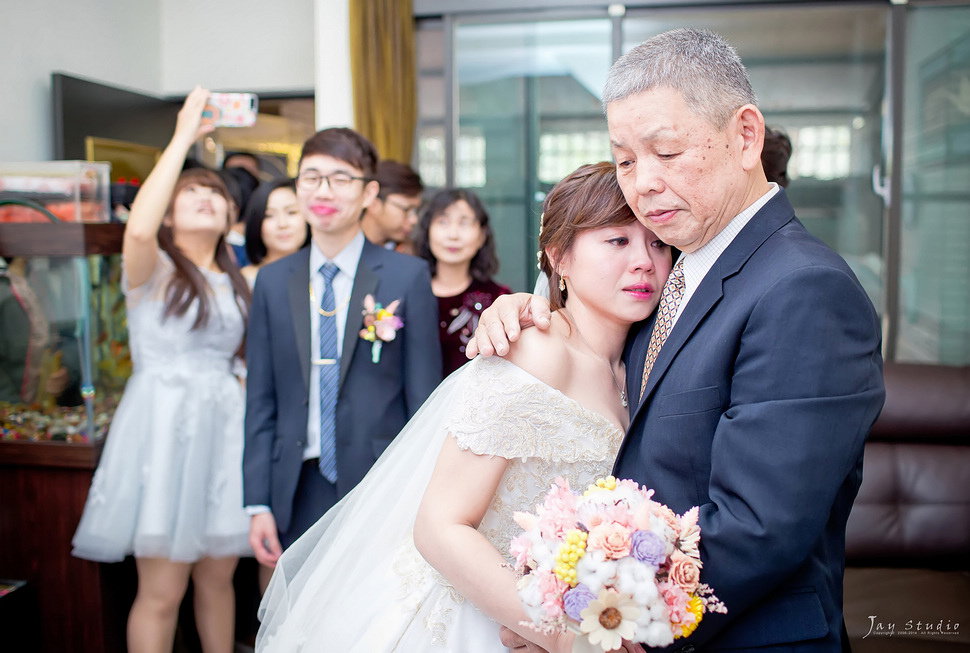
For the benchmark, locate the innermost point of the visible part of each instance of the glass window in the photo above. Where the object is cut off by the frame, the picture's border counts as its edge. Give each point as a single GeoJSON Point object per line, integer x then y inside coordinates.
{"type": "Point", "coordinates": [528, 113]}
{"type": "Point", "coordinates": [934, 298]}
{"type": "Point", "coordinates": [818, 72]}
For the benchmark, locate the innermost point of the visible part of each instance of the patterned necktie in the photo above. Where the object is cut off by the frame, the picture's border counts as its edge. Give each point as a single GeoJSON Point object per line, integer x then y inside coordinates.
{"type": "Point", "coordinates": [669, 302]}
{"type": "Point", "coordinates": [329, 376]}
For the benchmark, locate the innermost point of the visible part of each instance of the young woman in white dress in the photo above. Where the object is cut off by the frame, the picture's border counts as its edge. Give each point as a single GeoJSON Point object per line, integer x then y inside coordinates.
{"type": "Point", "coordinates": [168, 489]}
{"type": "Point", "coordinates": [415, 558]}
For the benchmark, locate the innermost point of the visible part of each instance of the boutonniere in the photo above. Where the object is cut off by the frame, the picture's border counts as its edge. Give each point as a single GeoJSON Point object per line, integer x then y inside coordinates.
{"type": "Point", "coordinates": [380, 325]}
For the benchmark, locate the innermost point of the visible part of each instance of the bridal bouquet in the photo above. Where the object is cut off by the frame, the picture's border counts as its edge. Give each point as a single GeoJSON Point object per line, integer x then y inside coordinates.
{"type": "Point", "coordinates": [611, 565]}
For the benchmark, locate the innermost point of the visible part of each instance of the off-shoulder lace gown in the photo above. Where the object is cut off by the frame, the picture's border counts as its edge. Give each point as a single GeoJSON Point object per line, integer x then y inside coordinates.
{"type": "Point", "coordinates": [355, 582]}
{"type": "Point", "coordinates": [169, 484]}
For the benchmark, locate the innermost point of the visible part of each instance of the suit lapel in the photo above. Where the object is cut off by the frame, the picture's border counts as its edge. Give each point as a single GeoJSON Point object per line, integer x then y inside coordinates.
{"type": "Point", "coordinates": [365, 283]}
{"type": "Point", "coordinates": [772, 216]}
{"type": "Point", "coordinates": [298, 293]}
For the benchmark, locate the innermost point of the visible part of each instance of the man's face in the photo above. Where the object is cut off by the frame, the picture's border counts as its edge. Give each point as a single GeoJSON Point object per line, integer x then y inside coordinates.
{"type": "Point", "coordinates": [332, 209]}
{"type": "Point", "coordinates": [683, 177]}
{"type": "Point", "coordinates": [395, 216]}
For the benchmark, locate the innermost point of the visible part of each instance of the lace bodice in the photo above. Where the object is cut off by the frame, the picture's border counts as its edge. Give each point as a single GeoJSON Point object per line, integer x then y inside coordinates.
{"type": "Point", "coordinates": [509, 413]}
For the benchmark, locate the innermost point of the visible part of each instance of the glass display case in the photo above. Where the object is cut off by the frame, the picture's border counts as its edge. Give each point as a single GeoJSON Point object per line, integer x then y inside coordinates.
{"type": "Point", "coordinates": [69, 191]}
{"type": "Point", "coordinates": [64, 353]}
{"type": "Point", "coordinates": [63, 363]}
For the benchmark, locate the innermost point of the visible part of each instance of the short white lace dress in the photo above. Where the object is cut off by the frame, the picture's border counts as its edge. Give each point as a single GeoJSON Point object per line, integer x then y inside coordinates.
{"type": "Point", "coordinates": [355, 582]}
{"type": "Point", "coordinates": [169, 484]}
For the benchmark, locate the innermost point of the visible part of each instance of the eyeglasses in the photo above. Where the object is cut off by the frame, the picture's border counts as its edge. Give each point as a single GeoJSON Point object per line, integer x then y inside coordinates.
{"type": "Point", "coordinates": [336, 181]}
{"type": "Point", "coordinates": [408, 210]}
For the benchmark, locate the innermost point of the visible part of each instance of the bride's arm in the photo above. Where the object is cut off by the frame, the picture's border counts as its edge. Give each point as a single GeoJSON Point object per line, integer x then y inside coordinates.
{"type": "Point", "coordinates": [460, 491]}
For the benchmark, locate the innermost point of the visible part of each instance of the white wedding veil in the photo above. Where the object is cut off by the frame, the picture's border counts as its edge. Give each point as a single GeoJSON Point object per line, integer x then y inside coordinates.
{"type": "Point", "coordinates": [332, 577]}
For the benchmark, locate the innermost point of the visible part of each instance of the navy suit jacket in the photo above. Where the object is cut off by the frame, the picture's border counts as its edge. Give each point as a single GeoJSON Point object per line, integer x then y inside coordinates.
{"type": "Point", "coordinates": [756, 410]}
{"type": "Point", "coordinates": [374, 401]}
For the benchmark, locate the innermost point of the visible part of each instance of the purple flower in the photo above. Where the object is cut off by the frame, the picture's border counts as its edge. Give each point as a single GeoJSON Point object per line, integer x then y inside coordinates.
{"type": "Point", "coordinates": [575, 601]}
{"type": "Point", "coordinates": [648, 548]}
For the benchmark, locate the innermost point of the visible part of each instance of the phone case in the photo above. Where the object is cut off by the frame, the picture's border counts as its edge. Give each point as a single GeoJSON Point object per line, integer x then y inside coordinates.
{"type": "Point", "coordinates": [231, 109]}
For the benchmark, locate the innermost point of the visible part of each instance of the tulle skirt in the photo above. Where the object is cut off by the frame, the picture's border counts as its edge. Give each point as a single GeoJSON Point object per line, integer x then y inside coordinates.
{"type": "Point", "coordinates": [169, 484]}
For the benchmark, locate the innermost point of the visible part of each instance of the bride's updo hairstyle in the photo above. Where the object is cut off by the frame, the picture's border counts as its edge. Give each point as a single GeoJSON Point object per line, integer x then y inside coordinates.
{"type": "Point", "coordinates": [589, 198]}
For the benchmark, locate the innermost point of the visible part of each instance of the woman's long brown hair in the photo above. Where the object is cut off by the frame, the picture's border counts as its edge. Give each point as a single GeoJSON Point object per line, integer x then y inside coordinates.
{"type": "Point", "coordinates": [188, 284]}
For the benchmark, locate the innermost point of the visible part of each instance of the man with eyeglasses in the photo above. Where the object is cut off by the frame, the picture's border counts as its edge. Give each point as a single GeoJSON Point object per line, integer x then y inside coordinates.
{"type": "Point", "coordinates": [390, 218]}
{"type": "Point", "coordinates": [324, 402]}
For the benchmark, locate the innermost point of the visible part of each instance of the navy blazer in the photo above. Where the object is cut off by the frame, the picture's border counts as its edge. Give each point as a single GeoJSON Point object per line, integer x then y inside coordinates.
{"type": "Point", "coordinates": [374, 401]}
{"type": "Point", "coordinates": [756, 410]}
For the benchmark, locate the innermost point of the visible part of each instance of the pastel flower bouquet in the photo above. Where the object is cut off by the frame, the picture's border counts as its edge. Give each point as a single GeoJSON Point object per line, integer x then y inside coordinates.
{"type": "Point", "coordinates": [611, 565]}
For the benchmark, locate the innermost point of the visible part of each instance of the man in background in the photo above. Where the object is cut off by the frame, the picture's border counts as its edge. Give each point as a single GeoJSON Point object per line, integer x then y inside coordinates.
{"type": "Point", "coordinates": [389, 218]}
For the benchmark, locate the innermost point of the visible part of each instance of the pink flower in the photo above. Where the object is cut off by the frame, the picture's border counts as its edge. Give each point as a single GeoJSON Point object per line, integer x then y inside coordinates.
{"type": "Point", "coordinates": [612, 539]}
{"type": "Point", "coordinates": [552, 590]}
{"type": "Point", "coordinates": [684, 572]}
{"type": "Point", "coordinates": [668, 515]}
{"type": "Point", "coordinates": [521, 550]}
{"type": "Point", "coordinates": [676, 600]}
{"type": "Point", "coordinates": [621, 515]}
{"type": "Point", "coordinates": [558, 513]}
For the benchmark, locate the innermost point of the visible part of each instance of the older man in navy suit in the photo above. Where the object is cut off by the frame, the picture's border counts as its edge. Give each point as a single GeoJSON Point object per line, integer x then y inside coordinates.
{"type": "Point", "coordinates": [760, 376]}
{"type": "Point", "coordinates": [322, 400]}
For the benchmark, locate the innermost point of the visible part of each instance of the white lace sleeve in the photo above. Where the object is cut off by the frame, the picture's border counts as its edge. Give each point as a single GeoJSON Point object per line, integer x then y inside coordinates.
{"type": "Point", "coordinates": [504, 411]}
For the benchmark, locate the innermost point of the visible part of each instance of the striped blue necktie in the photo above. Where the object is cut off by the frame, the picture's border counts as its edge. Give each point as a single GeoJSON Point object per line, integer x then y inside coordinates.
{"type": "Point", "coordinates": [329, 376]}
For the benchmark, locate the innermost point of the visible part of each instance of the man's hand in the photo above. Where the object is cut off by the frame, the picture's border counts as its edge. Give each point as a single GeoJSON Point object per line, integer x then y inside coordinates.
{"type": "Point", "coordinates": [264, 539]}
{"type": "Point", "coordinates": [501, 323]}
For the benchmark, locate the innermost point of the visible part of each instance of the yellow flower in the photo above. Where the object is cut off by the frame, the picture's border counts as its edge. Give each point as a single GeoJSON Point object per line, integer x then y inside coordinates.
{"type": "Point", "coordinates": [696, 607]}
{"type": "Point", "coordinates": [569, 553]}
{"type": "Point", "coordinates": [609, 619]}
{"type": "Point", "coordinates": [608, 483]}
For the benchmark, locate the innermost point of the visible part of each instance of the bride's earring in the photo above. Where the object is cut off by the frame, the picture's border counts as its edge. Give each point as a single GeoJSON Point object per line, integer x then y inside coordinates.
{"type": "Point", "coordinates": [562, 284]}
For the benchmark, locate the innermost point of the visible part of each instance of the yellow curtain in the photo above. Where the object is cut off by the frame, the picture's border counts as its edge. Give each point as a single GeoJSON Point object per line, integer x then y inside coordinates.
{"type": "Point", "coordinates": [382, 62]}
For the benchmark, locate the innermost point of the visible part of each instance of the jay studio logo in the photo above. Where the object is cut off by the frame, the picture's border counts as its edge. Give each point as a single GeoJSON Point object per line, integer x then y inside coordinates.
{"type": "Point", "coordinates": [911, 627]}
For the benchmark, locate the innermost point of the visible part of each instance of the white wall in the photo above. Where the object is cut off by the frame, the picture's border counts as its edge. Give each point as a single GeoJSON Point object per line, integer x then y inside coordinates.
{"type": "Point", "coordinates": [114, 41]}
{"type": "Point", "coordinates": [159, 47]}
{"type": "Point", "coordinates": [237, 45]}
{"type": "Point", "coordinates": [334, 91]}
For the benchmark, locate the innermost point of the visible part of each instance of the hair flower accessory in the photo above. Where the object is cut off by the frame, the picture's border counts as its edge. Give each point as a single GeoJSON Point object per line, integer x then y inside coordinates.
{"type": "Point", "coordinates": [380, 325]}
{"type": "Point", "coordinates": [611, 564]}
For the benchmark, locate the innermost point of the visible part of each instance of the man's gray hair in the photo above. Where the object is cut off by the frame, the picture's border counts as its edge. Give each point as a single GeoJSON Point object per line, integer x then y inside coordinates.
{"type": "Point", "coordinates": [704, 68]}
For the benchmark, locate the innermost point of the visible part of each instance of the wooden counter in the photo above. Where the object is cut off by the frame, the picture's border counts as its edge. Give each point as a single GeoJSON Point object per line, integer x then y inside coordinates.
{"type": "Point", "coordinates": [43, 486]}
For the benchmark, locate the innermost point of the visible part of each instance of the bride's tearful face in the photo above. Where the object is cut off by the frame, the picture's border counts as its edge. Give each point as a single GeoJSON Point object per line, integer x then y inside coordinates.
{"type": "Point", "coordinates": [618, 270]}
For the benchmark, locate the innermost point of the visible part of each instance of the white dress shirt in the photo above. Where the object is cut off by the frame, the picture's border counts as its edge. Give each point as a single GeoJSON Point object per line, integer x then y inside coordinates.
{"type": "Point", "coordinates": [698, 263]}
{"type": "Point", "coordinates": [343, 284]}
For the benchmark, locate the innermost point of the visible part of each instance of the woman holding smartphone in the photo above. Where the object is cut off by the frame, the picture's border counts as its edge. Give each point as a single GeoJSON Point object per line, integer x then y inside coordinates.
{"type": "Point", "coordinates": [168, 489]}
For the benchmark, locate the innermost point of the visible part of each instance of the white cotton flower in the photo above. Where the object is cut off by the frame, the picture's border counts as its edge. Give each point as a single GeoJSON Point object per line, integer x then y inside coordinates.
{"type": "Point", "coordinates": [596, 572]}
{"type": "Point", "coordinates": [637, 580]}
{"type": "Point", "coordinates": [531, 598]}
{"type": "Point", "coordinates": [657, 634]}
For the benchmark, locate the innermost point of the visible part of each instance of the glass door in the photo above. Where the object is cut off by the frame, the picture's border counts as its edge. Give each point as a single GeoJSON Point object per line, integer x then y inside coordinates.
{"type": "Point", "coordinates": [528, 112]}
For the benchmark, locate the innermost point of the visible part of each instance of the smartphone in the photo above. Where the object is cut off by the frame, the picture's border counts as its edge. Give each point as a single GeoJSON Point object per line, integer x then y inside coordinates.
{"type": "Point", "coordinates": [231, 109]}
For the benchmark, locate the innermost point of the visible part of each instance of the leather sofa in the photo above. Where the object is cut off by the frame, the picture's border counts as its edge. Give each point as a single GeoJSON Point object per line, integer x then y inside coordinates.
{"type": "Point", "coordinates": [907, 577]}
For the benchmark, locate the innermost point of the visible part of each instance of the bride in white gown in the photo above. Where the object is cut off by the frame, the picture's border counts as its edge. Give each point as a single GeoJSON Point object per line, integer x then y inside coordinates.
{"type": "Point", "coordinates": [416, 557]}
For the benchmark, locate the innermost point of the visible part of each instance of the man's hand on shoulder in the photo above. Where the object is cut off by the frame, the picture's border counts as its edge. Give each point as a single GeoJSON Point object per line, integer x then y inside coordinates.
{"type": "Point", "coordinates": [502, 322]}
